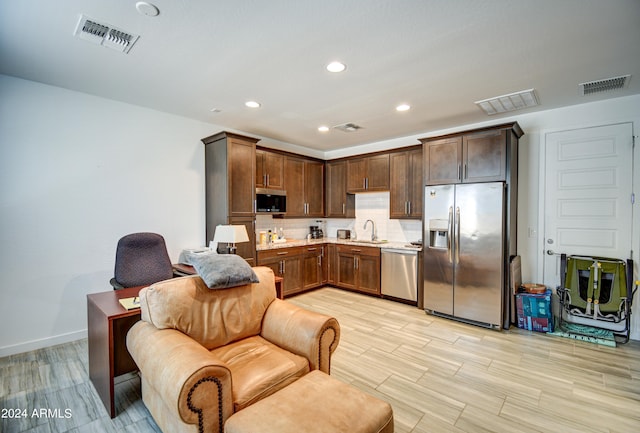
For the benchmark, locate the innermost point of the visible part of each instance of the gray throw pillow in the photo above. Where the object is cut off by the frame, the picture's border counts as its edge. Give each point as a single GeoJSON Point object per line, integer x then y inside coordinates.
{"type": "Point", "coordinates": [221, 271]}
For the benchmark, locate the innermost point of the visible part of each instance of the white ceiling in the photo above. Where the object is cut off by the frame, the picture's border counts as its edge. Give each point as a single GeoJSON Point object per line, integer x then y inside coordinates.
{"type": "Point", "coordinates": [439, 56]}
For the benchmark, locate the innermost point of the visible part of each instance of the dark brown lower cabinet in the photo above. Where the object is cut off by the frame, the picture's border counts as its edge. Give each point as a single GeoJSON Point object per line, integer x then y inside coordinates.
{"type": "Point", "coordinates": [286, 263]}
{"type": "Point", "coordinates": [312, 267]}
{"type": "Point", "coordinates": [302, 268]}
{"type": "Point", "coordinates": [331, 264]}
{"type": "Point", "coordinates": [358, 268]}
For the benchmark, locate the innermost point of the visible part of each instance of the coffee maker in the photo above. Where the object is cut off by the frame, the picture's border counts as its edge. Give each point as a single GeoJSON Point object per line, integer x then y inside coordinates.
{"type": "Point", "coordinates": [316, 232]}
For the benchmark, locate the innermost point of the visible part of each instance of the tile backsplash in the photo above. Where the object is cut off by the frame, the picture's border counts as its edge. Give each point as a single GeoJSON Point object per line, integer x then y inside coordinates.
{"type": "Point", "coordinates": [371, 205]}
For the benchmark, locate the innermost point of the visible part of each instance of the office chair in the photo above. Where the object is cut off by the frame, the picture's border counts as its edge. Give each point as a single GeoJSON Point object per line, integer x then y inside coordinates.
{"type": "Point", "coordinates": [141, 259]}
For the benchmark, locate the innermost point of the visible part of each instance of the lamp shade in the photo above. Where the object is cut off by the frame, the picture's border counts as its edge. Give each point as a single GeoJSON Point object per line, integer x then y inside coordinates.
{"type": "Point", "coordinates": [231, 234]}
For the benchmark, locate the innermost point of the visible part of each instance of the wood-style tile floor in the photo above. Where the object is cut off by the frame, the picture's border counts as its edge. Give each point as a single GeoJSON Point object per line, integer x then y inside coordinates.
{"type": "Point", "coordinates": [439, 376]}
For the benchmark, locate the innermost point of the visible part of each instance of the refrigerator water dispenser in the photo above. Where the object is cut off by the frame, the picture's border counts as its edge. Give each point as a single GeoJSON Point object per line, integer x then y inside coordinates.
{"type": "Point", "coordinates": [438, 233]}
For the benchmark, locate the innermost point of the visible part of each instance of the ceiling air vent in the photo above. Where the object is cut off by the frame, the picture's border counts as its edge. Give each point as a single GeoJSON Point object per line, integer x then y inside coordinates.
{"type": "Point", "coordinates": [605, 85]}
{"type": "Point", "coordinates": [348, 127]}
{"type": "Point", "coordinates": [104, 34]}
{"type": "Point", "coordinates": [510, 102]}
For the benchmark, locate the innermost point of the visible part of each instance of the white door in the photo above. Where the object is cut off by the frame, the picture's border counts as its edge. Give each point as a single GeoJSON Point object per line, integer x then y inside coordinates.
{"type": "Point", "coordinates": [588, 195]}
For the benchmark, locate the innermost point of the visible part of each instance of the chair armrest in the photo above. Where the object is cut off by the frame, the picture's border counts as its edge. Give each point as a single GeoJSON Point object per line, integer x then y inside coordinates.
{"type": "Point", "coordinates": [189, 379]}
{"type": "Point", "coordinates": [306, 333]}
{"type": "Point", "coordinates": [116, 285]}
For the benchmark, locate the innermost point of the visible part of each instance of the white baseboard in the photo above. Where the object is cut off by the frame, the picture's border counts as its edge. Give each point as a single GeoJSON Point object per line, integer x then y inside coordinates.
{"type": "Point", "coordinates": [42, 343]}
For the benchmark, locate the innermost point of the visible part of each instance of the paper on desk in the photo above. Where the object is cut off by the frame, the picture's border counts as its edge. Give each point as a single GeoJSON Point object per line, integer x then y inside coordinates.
{"type": "Point", "coordinates": [130, 303]}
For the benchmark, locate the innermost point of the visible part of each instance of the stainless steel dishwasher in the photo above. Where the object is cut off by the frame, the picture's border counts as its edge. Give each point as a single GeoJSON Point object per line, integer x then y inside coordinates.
{"type": "Point", "coordinates": [399, 276]}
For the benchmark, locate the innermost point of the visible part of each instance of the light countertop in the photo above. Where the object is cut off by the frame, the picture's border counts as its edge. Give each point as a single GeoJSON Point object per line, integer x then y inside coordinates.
{"type": "Point", "coordinates": [303, 243]}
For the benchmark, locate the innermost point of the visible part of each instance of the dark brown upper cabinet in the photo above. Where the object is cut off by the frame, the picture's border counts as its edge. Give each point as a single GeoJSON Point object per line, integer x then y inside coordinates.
{"type": "Point", "coordinates": [339, 204]}
{"type": "Point", "coordinates": [481, 155]}
{"type": "Point", "coordinates": [269, 170]}
{"type": "Point", "coordinates": [304, 183]}
{"type": "Point", "coordinates": [406, 185]}
{"type": "Point", "coordinates": [368, 173]}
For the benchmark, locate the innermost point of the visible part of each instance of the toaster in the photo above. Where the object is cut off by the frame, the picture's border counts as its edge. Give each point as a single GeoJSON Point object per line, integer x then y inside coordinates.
{"type": "Point", "coordinates": [344, 234]}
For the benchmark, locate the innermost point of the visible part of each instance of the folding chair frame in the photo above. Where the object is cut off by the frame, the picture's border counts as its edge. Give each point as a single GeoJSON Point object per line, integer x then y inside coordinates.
{"type": "Point", "coordinates": [619, 324]}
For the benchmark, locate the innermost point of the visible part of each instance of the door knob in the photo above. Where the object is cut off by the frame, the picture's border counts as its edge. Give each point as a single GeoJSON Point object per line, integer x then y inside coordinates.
{"type": "Point", "coordinates": [550, 252]}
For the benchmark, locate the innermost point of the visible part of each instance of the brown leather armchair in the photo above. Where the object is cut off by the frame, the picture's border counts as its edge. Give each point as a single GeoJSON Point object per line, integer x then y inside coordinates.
{"type": "Point", "coordinates": [205, 354]}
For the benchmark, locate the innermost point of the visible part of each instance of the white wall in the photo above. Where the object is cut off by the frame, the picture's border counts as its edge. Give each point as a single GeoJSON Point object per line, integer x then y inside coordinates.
{"type": "Point", "coordinates": [77, 172]}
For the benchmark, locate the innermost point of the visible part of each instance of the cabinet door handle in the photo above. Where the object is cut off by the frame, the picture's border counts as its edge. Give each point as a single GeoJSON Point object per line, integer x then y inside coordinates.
{"type": "Point", "coordinates": [409, 207]}
{"type": "Point", "coordinates": [459, 172]}
{"type": "Point", "coordinates": [319, 260]}
{"type": "Point", "coordinates": [355, 251]}
{"type": "Point", "coordinates": [344, 209]}
{"type": "Point", "coordinates": [466, 171]}
{"type": "Point", "coordinates": [311, 249]}
{"type": "Point", "coordinates": [283, 253]}
{"type": "Point", "coordinates": [366, 183]}
{"type": "Point", "coordinates": [284, 267]}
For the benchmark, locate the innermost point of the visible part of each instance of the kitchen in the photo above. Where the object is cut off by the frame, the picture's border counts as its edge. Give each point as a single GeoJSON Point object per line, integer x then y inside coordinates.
{"type": "Point", "coordinates": [298, 210]}
{"type": "Point", "coordinates": [392, 234]}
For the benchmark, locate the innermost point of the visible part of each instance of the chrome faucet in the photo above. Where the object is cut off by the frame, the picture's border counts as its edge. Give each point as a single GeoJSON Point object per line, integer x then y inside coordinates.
{"type": "Point", "coordinates": [373, 229]}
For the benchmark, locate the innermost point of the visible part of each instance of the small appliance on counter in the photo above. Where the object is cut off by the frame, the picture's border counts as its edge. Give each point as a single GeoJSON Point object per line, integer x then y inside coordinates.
{"type": "Point", "coordinates": [316, 232]}
{"type": "Point", "coordinates": [344, 234]}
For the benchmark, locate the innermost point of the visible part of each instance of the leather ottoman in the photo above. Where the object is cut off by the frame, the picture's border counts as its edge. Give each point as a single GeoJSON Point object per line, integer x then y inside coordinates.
{"type": "Point", "coordinates": [316, 403]}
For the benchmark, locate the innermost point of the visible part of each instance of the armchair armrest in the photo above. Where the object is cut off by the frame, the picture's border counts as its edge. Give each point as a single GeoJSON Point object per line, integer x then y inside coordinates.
{"type": "Point", "coordinates": [306, 333]}
{"type": "Point", "coordinates": [184, 374]}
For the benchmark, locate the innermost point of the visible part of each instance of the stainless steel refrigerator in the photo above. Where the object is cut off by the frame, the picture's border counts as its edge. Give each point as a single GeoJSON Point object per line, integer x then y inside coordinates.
{"type": "Point", "coordinates": [465, 252]}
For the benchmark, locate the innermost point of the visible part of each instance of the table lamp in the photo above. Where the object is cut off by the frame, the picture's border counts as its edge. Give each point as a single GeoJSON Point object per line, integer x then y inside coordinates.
{"type": "Point", "coordinates": [231, 234]}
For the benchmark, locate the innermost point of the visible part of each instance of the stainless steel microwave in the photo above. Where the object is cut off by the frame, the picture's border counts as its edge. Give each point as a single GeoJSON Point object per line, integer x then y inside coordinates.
{"type": "Point", "coordinates": [271, 201]}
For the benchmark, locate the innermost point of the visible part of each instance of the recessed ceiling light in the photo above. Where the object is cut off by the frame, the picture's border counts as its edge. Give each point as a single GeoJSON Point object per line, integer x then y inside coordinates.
{"type": "Point", "coordinates": [252, 104]}
{"type": "Point", "coordinates": [323, 128]}
{"type": "Point", "coordinates": [403, 107]}
{"type": "Point", "coordinates": [336, 67]}
{"type": "Point", "coordinates": [147, 9]}
{"type": "Point", "coordinates": [215, 110]}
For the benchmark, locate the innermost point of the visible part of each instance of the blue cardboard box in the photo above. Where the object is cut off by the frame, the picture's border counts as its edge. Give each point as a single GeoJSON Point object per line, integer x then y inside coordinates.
{"type": "Point", "coordinates": [534, 311]}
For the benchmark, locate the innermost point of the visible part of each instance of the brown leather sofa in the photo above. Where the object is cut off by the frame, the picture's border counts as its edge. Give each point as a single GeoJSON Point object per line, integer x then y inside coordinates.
{"type": "Point", "coordinates": [205, 354]}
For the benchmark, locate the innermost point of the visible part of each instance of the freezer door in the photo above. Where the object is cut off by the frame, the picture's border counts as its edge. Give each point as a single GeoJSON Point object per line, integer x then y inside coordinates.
{"type": "Point", "coordinates": [438, 249]}
{"type": "Point", "coordinates": [479, 259]}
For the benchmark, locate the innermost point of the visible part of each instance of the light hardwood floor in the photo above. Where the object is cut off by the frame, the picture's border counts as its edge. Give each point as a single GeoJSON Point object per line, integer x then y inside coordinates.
{"type": "Point", "coordinates": [439, 376]}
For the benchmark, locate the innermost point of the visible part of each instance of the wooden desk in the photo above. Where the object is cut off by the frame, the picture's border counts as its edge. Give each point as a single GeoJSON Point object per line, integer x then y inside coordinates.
{"type": "Point", "coordinates": [108, 324]}
{"type": "Point", "coordinates": [182, 269]}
